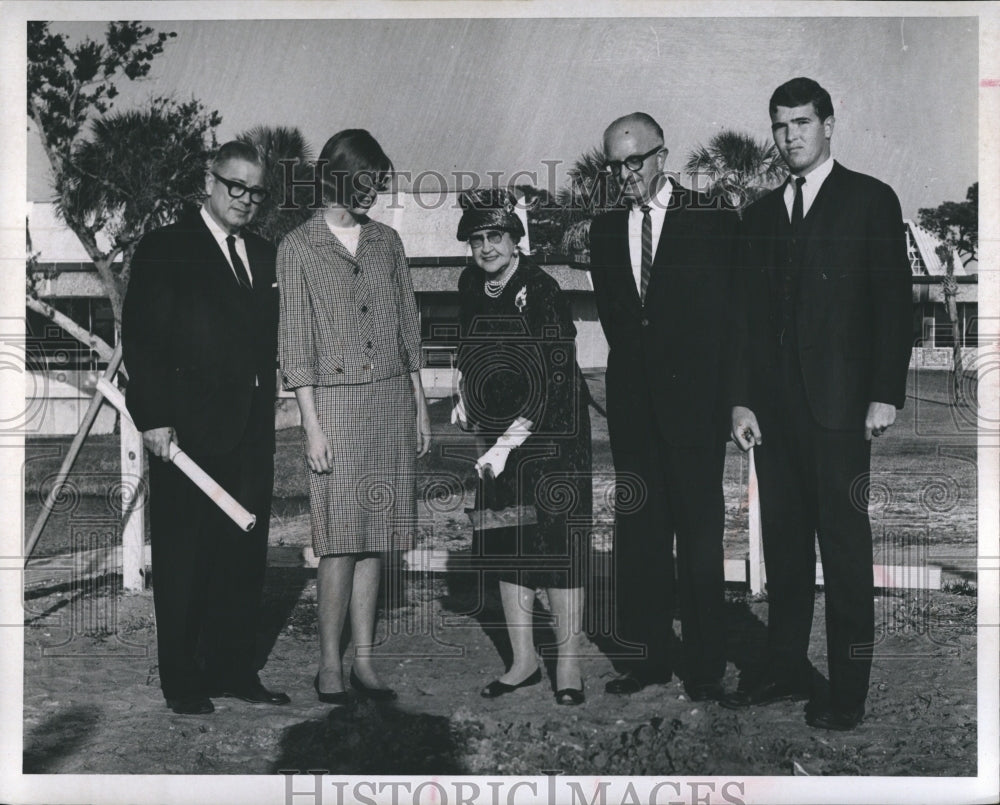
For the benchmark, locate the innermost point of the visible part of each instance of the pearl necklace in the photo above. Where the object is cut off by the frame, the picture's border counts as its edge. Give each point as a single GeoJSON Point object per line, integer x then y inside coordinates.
{"type": "Point", "coordinates": [494, 288]}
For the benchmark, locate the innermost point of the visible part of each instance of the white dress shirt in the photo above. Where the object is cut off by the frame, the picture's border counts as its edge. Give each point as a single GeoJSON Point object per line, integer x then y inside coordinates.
{"type": "Point", "coordinates": [657, 212]}
{"type": "Point", "coordinates": [220, 236]}
{"type": "Point", "coordinates": [814, 181]}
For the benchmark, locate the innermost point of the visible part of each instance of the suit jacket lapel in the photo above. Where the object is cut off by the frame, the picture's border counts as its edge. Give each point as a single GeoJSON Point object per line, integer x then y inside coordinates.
{"type": "Point", "coordinates": [207, 247]}
{"type": "Point", "coordinates": [663, 255]}
{"type": "Point", "coordinates": [369, 236]}
{"type": "Point", "coordinates": [326, 243]}
{"type": "Point", "coordinates": [775, 228]}
{"type": "Point", "coordinates": [622, 279]}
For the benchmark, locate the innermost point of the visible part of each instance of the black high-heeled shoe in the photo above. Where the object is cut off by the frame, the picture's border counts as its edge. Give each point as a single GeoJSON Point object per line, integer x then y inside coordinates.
{"type": "Point", "coordinates": [375, 694]}
{"type": "Point", "coordinates": [498, 688]}
{"type": "Point", "coordinates": [341, 697]}
{"type": "Point", "coordinates": [571, 696]}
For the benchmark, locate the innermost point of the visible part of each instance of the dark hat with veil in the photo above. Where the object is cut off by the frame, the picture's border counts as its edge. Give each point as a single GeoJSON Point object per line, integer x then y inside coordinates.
{"type": "Point", "coordinates": [488, 208]}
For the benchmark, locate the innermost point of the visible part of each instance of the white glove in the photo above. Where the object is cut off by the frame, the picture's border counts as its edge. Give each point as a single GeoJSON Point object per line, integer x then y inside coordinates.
{"type": "Point", "coordinates": [458, 416]}
{"type": "Point", "coordinates": [496, 457]}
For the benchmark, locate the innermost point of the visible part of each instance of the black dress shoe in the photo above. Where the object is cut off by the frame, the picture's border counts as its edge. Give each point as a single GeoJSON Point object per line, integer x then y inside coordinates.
{"type": "Point", "coordinates": [767, 691]}
{"type": "Point", "coordinates": [375, 694]}
{"type": "Point", "coordinates": [341, 697]}
{"type": "Point", "coordinates": [191, 705]}
{"type": "Point", "coordinates": [828, 718]}
{"type": "Point", "coordinates": [255, 693]}
{"type": "Point", "coordinates": [498, 688]}
{"type": "Point", "coordinates": [570, 696]}
{"type": "Point", "coordinates": [634, 681]}
{"type": "Point", "coordinates": [710, 691]}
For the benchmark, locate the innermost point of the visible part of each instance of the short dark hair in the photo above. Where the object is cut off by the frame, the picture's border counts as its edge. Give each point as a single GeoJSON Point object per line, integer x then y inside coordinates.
{"type": "Point", "coordinates": [235, 149]}
{"type": "Point", "coordinates": [799, 92]}
{"type": "Point", "coordinates": [348, 156]}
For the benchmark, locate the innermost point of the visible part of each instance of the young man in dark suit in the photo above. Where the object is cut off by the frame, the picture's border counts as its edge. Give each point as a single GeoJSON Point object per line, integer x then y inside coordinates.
{"type": "Point", "coordinates": [662, 278]}
{"type": "Point", "coordinates": [199, 333]}
{"type": "Point", "coordinates": [821, 367]}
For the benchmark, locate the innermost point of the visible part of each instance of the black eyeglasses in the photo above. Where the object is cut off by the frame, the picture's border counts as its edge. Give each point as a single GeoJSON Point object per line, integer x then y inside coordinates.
{"type": "Point", "coordinates": [238, 189]}
{"type": "Point", "coordinates": [633, 163]}
{"type": "Point", "coordinates": [478, 240]}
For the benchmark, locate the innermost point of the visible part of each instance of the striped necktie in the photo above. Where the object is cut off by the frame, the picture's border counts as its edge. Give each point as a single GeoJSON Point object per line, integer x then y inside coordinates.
{"type": "Point", "coordinates": [646, 262]}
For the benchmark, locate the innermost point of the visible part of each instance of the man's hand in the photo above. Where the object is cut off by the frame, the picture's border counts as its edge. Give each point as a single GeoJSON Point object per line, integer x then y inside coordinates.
{"type": "Point", "coordinates": [880, 416]}
{"type": "Point", "coordinates": [157, 441]}
{"type": "Point", "coordinates": [746, 431]}
{"type": "Point", "coordinates": [319, 454]}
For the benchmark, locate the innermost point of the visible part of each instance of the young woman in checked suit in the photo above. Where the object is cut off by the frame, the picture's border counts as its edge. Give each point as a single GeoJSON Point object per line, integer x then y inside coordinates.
{"type": "Point", "coordinates": [349, 345]}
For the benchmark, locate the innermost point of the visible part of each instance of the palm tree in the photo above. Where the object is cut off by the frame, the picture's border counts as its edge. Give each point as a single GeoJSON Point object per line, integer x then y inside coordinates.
{"type": "Point", "coordinates": [590, 191]}
{"type": "Point", "coordinates": [286, 155]}
{"type": "Point", "coordinates": [737, 166]}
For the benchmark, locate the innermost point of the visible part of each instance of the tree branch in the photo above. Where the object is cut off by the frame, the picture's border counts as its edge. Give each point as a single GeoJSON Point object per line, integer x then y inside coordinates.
{"type": "Point", "coordinates": [82, 335]}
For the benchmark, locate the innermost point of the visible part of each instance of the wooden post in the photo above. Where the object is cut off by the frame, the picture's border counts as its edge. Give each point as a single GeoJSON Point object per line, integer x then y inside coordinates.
{"type": "Point", "coordinates": [74, 449]}
{"type": "Point", "coordinates": [133, 506]}
{"type": "Point", "coordinates": [756, 560]}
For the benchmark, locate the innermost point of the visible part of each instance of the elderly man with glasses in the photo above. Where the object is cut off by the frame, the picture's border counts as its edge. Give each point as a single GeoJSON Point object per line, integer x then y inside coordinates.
{"type": "Point", "coordinates": [199, 333]}
{"type": "Point", "coordinates": [662, 270]}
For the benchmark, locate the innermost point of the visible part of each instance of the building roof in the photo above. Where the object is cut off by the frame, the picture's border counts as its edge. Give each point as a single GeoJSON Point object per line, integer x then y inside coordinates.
{"type": "Point", "coordinates": [922, 247]}
{"type": "Point", "coordinates": [425, 221]}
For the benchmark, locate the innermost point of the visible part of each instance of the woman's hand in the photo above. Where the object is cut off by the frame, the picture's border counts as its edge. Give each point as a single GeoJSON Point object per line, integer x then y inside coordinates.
{"type": "Point", "coordinates": [423, 428]}
{"type": "Point", "coordinates": [423, 418]}
{"type": "Point", "coordinates": [495, 458]}
{"type": "Point", "coordinates": [458, 415]}
{"type": "Point", "coordinates": [319, 454]}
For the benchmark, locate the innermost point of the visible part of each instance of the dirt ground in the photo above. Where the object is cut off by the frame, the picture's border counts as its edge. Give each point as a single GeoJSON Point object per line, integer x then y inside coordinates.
{"type": "Point", "coordinates": [93, 705]}
{"type": "Point", "coordinates": [92, 702]}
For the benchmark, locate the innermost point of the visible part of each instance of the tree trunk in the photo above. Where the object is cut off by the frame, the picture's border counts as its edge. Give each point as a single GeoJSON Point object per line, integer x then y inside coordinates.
{"type": "Point", "coordinates": [950, 288]}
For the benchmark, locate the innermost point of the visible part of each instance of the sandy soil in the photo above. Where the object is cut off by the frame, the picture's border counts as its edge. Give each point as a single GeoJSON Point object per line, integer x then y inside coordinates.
{"type": "Point", "coordinates": [92, 702]}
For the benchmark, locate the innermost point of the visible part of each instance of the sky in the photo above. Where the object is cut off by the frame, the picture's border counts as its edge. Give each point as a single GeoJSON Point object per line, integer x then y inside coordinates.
{"type": "Point", "coordinates": [490, 94]}
{"type": "Point", "coordinates": [507, 95]}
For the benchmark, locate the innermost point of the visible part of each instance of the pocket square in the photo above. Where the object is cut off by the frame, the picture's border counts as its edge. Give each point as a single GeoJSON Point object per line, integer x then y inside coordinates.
{"type": "Point", "coordinates": [274, 284]}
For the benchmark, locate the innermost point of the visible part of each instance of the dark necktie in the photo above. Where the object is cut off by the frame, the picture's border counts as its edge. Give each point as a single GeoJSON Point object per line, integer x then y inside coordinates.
{"type": "Point", "coordinates": [242, 275]}
{"type": "Point", "coordinates": [646, 263]}
{"type": "Point", "coordinates": [797, 204]}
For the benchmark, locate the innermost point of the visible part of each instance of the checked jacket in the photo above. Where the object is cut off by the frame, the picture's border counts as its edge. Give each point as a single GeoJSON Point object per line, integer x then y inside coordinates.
{"type": "Point", "coordinates": [345, 319]}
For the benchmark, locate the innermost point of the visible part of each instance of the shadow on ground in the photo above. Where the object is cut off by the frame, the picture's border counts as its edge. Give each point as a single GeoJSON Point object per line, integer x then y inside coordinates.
{"type": "Point", "coordinates": [59, 736]}
{"type": "Point", "coordinates": [365, 738]}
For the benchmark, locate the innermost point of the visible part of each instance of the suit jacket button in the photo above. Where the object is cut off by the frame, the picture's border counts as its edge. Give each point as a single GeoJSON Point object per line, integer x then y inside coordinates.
{"type": "Point", "coordinates": [645, 322]}
{"type": "Point", "coordinates": [340, 371]}
{"type": "Point", "coordinates": [367, 367]}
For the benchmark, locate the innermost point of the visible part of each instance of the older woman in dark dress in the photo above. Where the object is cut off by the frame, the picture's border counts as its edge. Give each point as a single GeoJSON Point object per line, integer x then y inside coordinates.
{"type": "Point", "coordinates": [523, 393]}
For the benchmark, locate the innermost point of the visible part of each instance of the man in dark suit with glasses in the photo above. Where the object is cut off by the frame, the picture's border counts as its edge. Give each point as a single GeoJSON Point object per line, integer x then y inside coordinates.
{"type": "Point", "coordinates": [199, 334]}
{"type": "Point", "coordinates": [662, 271]}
